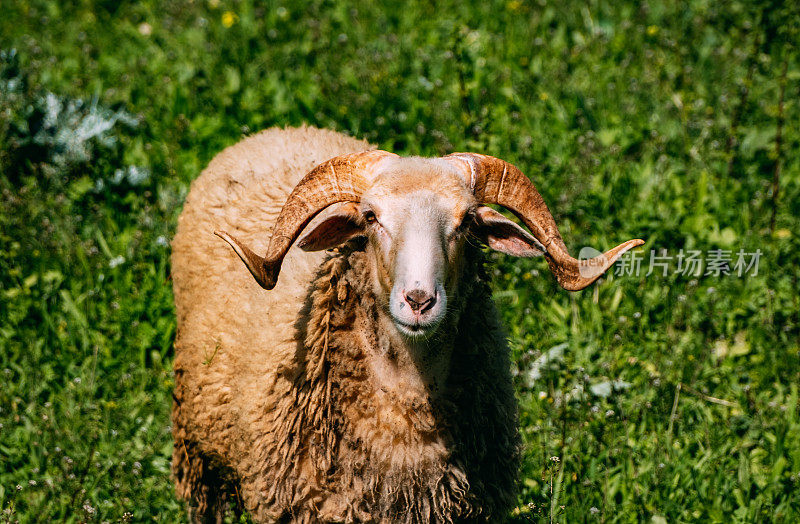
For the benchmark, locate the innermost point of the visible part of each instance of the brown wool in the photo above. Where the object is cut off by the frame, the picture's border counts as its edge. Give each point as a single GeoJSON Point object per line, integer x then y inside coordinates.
{"type": "Point", "coordinates": [276, 409]}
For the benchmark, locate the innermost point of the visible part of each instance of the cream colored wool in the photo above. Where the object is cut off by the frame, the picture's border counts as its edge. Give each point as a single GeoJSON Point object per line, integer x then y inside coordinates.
{"type": "Point", "coordinates": [276, 409]}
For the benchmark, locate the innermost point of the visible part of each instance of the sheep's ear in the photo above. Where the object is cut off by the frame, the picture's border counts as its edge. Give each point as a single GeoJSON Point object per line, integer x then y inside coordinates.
{"type": "Point", "coordinates": [340, 226]}
{"type": "Point", "coordinates": [501, 234]}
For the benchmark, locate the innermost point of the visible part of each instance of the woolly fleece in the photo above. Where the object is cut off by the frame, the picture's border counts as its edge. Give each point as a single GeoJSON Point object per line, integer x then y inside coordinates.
{"type": "Point", "coordinates": [275, 408]}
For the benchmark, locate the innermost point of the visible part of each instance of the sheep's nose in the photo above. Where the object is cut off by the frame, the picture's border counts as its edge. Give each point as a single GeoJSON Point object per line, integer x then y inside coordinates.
{"type": "Point", "coordinates": [420, 301]}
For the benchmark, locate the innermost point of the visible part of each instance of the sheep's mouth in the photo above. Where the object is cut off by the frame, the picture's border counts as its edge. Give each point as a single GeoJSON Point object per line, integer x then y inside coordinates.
{"type": "Point", "coordinates": [416, 329]}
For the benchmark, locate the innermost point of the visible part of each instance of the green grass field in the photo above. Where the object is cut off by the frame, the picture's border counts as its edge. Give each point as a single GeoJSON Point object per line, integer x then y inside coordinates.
{"type": "Point", "coordinates": [660, 398]}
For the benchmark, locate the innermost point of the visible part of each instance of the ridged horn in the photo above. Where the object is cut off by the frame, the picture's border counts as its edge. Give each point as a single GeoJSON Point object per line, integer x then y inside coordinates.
{"type": "Point", "coordinates": [340, 179]}
{"type": "Point", "coordinates": [495, 181]}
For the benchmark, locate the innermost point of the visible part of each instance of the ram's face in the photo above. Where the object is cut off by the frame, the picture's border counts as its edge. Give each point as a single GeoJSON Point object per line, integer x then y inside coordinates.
{"type": "Point", "coordinates": [417, 222]}
{"type": "Point", "coordinates": [417, 215]}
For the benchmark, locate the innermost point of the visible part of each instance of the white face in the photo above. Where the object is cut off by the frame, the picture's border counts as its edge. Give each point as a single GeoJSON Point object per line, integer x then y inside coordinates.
{"type": "Point", "coordinates": [413, 216]}
{"type": "Point", "coordinates": [418, 240]}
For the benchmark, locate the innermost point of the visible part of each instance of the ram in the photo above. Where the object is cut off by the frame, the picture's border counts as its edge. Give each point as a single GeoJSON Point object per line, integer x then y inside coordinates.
{"type": "Point", "coordinates": [372, 383]}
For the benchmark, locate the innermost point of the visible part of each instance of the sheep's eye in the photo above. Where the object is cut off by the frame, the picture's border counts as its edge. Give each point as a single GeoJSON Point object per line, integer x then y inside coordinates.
{"type": "Point", "coordinates": [369, 217]}
{"type": "Point", "coordinates": [469, 217]}
{"type": "Point", "coordinates": [463, 227]}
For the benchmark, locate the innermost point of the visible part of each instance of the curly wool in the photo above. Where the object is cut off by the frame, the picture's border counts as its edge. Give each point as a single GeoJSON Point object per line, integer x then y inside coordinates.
{"type": "Point", "coordinates": [452, 457]}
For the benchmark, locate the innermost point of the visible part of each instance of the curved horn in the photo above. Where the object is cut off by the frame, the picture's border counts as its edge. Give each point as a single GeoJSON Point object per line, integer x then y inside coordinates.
{"type": "Point", "coordinates": [340, 179]}
{"type": "Point", "coordinates": [495, 181]}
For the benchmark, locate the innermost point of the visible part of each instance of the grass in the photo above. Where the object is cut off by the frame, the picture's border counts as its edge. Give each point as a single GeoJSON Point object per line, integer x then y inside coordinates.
{"type": "Point", "coordinates": [666, 398]}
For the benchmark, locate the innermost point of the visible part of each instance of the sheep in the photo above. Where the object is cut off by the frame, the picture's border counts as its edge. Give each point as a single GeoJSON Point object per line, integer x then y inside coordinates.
{"type": "Point", "coordinates": [372, 384]}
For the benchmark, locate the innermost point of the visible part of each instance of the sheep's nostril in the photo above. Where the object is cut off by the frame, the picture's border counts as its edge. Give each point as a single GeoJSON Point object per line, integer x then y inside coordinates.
{"type": "Point", "coordinates": [420, 301]}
